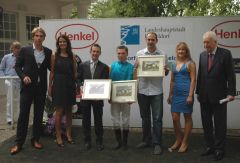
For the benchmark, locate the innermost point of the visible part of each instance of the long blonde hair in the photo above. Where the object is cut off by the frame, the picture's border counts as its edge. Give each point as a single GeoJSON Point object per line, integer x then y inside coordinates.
{"type": "Point", "coordinates": [185, 46]}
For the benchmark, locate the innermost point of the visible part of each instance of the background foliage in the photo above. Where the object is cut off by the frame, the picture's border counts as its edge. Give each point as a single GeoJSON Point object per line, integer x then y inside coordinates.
{"type": "Point", "coordinates": [161, 8]}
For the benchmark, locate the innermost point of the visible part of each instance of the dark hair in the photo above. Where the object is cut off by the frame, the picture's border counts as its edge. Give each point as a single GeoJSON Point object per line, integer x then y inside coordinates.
{"type": "Point", "coordinates": [95, 45]}
{"type": "Point", "coordinates": [69, 47]}
{"type": "Point", "coordinates": [123, 47]}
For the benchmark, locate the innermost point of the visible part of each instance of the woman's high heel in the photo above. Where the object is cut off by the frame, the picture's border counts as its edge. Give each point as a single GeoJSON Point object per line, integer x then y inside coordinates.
{"type": "Point", "coordinates": [61, 145]}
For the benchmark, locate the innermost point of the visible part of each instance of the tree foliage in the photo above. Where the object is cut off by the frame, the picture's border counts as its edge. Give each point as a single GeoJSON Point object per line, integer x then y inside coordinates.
{"type": "Point", "coordinates": [161, 8]}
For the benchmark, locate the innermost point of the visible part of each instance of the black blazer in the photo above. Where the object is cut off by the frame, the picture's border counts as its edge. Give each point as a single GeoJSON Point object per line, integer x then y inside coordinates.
{"type": "Point", "coordinates": [26, 65]}
{"type": "Point", "coordinates": [84, 72]}
{"type": "Point", "coordinates": [220, 80]}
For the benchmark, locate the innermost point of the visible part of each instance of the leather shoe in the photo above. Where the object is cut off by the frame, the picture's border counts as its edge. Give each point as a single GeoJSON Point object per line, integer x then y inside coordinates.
{"type": "Point", "coordinates": [36, 144]}
{"type": "Point", "coordinates": [218, 155]}
{"type": "Point", "coordinates": [143, 145]}
{"type": "Point", "coordinates": [208, 152]}
{"type": "Point", "coordinates": [100, 147]}
{"type": "Point", "coordinates": [15, 149]}
{"type": "Point", "coordinates": [87, 146]}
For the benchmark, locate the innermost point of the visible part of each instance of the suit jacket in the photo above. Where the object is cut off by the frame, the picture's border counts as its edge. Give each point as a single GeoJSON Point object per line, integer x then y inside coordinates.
{"type": "Point", "coordinates": [220, 80]}
{"type": "Point", "coordinates": [26, 65]}
{"type": "Point", "coordinates": [84, 72]}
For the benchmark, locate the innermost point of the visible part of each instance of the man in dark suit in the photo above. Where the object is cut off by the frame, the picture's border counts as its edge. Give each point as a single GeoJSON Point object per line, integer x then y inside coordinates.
{"type": "Point", "coordinates": [93, 69]}
{"type": "Point", "coordinates": [31, 67]}
{"type": "Point", "coordinates": [216, 80]}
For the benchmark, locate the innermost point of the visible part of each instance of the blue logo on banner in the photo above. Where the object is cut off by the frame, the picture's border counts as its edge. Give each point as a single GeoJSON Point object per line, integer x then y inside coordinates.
{"type": "Point", "coordinates": [130, 35]}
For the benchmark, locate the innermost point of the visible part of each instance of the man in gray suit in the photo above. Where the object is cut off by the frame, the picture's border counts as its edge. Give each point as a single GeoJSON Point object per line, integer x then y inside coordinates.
{"type": "Point", "coordinates": [216, 80]}
{"type": "Point", "coordinates": [93, 69]}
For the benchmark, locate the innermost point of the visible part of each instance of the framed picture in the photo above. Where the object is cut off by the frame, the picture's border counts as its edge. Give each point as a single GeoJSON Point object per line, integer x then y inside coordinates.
{"type": "Point", "coordinates": [124, 91]}
{"type": "Point", "coordinates": [96, 89]}
{"type": "Point", "coordinates": [151, 66]}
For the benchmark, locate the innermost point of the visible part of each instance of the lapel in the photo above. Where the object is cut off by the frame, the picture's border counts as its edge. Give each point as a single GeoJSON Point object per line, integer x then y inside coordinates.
{"type": "Point", "coordinates": [88, 67]}
{"type": "Point", "coordinates": [205, 62]}
{"type": "Point", "coordinates": [216, 55]}
{"type": "Point", "coordinates": [32, 55]}
{"type": "Point", "coordinates": [45, 58]}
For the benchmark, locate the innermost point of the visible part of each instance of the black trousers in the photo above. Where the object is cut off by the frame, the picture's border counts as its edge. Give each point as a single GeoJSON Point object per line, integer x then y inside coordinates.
{"type": "Point", "coordinates": [37, 97]}
{"type": "Point", "coordinates": [98, 124]}
{"type": "Point", "coordinates": [214, 121]}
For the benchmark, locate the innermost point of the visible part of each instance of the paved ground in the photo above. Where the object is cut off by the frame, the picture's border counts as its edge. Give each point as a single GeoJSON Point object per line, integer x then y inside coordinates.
{"type": "Point", "coordinates": [6, 131]}
{"type": "Point", "coordinates": [75, 153]}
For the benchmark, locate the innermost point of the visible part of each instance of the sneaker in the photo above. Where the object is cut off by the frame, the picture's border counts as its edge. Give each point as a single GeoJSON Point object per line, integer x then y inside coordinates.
{"type": "Point", "coordinates": [143, 145]}
{"type": "Point", "coordinates": [157, 150]}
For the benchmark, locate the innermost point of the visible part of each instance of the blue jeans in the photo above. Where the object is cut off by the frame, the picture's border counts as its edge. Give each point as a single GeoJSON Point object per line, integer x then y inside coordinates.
{"type": "Point", "coordinates": [151, 104]}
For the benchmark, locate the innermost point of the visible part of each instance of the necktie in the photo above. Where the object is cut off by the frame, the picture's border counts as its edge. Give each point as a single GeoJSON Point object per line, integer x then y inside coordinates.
{"type": "Point", "coordinates": [93, 67]}
{"type": "Point", "coordinates": [210, 61]}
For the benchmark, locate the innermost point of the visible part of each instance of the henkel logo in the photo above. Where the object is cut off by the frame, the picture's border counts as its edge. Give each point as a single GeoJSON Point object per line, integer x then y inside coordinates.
{"type": "Point", "coordinates": [80, 35]}
{"type": "Point", "coordinates": [228, 33]}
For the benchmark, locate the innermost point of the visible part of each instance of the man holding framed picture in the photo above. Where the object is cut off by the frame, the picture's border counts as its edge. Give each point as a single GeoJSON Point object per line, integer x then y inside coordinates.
{"type": "Point", "coordinates": [121, 70]}
{"type": "Point", "coordinates": [93, 69]}
{"type": "Point", "coordinates": [150, 98]}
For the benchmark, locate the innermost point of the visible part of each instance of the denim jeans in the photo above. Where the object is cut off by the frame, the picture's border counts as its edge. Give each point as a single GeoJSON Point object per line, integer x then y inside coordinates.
{"type": "Point", "coordinates": [151, 104]}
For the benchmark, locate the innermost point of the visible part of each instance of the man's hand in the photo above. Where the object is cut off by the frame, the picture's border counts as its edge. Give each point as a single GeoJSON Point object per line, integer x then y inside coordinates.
{"type": "Point", "coordinates": [231, 98]}
{"type": "Point", "coordinates": [27, 80]}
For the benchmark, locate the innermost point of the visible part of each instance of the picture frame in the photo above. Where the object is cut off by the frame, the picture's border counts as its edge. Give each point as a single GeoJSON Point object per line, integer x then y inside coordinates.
{"type": "Point", "coordinates": [96, 89]}
{"type": "Point", "coordinates": [151, 66]}
{"type": "Point", "coordinates": [124, 91]}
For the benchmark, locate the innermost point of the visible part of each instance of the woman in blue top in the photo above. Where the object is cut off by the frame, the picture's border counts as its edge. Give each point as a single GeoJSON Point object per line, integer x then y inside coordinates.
{"type": "Point", "coordinates": [182, 86]}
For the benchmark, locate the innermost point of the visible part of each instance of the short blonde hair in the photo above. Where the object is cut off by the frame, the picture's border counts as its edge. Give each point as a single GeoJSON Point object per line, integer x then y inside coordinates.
{"type": "Point", "coordinates": [38, 29]}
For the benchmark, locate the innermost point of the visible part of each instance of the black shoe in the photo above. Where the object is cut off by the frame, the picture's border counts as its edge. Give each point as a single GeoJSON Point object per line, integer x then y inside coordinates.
{"type": "Point", "coordinates": [219, 155]}
{"type": "Point", "coordinates": [117, 146]}
{"type": "Point", "coordinates": [125, 147]}
{"type": "Point", "coordinates": [208, 152]}
{"type": "Point", "coordinates": [100, 147]}
{"type": "Point", "coordinates": [87, 145]}
{"type": "Point", "coordinates": [143, 145]}
{"type": "Point", "coordinates": [9, 123]}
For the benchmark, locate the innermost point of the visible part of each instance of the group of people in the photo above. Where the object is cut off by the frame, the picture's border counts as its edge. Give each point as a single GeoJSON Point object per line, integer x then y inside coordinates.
{"type": "Point", "coordinates": [215, 81]}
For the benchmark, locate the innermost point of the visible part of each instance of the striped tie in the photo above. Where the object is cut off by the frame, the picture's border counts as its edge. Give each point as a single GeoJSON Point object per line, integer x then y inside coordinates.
{"type": "Point", "coordinates": [210, 61]}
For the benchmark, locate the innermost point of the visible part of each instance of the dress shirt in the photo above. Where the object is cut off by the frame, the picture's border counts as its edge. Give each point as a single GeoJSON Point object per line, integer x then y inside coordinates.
{"type": "Point", "coordinates": [151, 85]}
{"type": "Point", "coordinates": [121, 71]}
{"type": "Point", "coordinates": [39, 56]}
{"type": "Point", "coordinates": [7, 65]}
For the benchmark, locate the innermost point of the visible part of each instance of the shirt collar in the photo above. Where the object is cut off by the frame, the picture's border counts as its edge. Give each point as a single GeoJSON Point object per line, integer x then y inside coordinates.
{"type": "Point", "coordinates": [213, 52]}
{"type": "Point", "coordinates": [147, 52]}
{"type": "Point", "coordinates": [91, 61]}
{"type": "Point", "coordinates": [122, 62]}
{"type": "Point", "coordinates": [34, 47]}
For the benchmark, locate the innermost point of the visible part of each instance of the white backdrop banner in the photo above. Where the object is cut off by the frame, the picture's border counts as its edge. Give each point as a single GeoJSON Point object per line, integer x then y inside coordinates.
{"type": "Point", "coordinates": [110, 33]}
